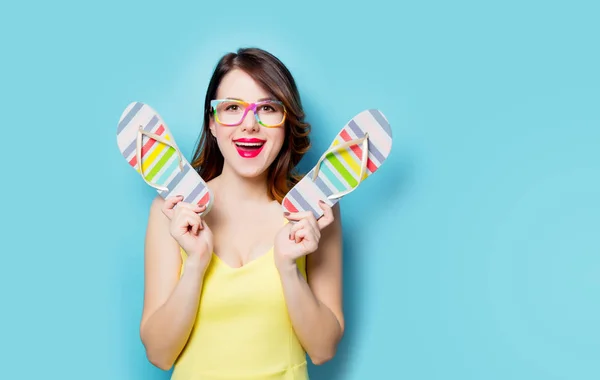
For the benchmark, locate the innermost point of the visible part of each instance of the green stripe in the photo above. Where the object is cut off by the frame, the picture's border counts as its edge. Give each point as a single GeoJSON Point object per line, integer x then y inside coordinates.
{"type": "Point", "coordinates": [160, 164]}
{"type": "Point", "coordinates": [342, 170]}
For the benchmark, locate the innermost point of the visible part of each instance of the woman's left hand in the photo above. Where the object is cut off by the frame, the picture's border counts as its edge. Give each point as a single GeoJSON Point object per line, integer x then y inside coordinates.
{"type": "Point", "coordinates": [301, 236]}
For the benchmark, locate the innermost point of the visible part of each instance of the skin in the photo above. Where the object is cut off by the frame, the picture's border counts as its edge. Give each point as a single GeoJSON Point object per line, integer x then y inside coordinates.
{"type": "Point", "coordinates": [241, 208]}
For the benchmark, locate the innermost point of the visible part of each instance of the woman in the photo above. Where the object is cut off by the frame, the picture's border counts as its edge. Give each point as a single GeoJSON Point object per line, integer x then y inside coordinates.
{"type": "Point", "coordinates": [244, 292]}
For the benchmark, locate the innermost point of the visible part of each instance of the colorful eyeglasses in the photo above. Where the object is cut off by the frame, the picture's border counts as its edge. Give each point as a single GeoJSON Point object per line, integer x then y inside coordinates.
{"type": "Point", "coordinates": [231, 112]}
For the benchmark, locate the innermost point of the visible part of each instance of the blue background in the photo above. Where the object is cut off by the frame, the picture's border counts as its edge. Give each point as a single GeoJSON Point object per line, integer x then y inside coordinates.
{"type": "Point", "coordinates": [472, 254]}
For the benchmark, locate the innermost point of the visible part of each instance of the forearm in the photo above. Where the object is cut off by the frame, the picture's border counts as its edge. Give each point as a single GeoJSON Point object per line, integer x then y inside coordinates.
{"type": "Point", "coordinates": [316, 326]}
{"type": "Point", "coordinates": [167, 330]}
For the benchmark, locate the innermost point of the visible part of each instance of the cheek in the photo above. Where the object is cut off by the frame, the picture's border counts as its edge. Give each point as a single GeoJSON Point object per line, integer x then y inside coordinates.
{"type": "Point", "coordinates": [223, 134]}
{"type": "Point", "coordinates": [277, 137]}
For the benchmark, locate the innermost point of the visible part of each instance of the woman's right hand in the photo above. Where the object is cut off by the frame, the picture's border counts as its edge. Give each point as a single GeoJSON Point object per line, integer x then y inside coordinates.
{"type": "Point", "coordinates": [189, 230]}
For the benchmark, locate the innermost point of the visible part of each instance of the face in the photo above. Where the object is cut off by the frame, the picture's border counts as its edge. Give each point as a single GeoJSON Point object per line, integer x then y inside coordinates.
{"type": "Point", "coordinates": [248, 148]}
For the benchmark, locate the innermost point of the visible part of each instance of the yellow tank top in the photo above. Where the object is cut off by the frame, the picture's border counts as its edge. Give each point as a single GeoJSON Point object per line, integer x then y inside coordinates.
{"type": "Point", "coordinates": [242, 328]}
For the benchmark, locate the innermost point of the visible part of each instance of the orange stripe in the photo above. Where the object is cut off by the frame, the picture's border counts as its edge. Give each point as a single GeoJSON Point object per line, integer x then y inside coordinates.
{"type": "Point", "coordinates": [357, 151]}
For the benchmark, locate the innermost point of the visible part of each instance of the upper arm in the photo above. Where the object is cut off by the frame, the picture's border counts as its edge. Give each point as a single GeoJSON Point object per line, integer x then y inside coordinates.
{"type": "Point", "coordinates": [162, 261]}
{"type": "Point", "coordinates": [324, 267]}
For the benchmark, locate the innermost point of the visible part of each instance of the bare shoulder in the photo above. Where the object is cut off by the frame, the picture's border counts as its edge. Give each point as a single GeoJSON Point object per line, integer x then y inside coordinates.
{"type": "Point", "coordinates": [337, 216]}
{"type": "Point", "coordinates": [158, 200]}
{"type": "Point", "coordinates": [156, 205]}
{"type": "Point", "coordinates": [157, 220]}
{"type": "Point", "coordinates": [158, 237]}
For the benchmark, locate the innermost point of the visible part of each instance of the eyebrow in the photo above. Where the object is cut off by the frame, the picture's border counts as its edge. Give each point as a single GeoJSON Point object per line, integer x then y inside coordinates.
{"type": "Point", "coordinates": [259, 100]}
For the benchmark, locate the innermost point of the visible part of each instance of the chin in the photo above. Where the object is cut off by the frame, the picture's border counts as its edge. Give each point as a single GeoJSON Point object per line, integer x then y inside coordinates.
{"type": "Point", "coordinates": [250, 167]}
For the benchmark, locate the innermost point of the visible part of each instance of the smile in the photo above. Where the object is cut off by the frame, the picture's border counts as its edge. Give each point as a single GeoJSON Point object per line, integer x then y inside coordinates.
{"type": "Point", "coordinates": [249, 148]}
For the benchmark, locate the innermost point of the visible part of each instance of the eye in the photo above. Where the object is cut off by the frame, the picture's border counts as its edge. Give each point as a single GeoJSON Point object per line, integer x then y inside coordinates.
{"type": "Point", "coordinates": [268, 108]}
{"type": "Point", "coordinates": [232, 107]}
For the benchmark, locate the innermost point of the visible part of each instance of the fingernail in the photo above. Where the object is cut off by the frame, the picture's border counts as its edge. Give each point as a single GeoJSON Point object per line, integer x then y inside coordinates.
{"type": "Point", "coordinates": [321, 201]}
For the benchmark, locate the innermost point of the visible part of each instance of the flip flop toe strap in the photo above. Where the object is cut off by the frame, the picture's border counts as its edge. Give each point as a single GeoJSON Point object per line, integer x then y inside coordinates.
{"type": "Point", "coordinates": [363, 165]}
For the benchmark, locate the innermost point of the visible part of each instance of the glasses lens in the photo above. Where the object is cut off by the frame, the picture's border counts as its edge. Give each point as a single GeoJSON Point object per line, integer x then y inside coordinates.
{"type": "Point", "coordinates": [230, 112]}
{"type": "Point", "coordinates": [270, 113]}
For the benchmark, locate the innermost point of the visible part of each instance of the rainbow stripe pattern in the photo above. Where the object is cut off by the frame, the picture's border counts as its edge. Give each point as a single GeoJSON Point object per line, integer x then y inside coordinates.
{"type": "Point", "coordinates": [359, 149]}
{"type": "Point", "coordinates": [143, 134]}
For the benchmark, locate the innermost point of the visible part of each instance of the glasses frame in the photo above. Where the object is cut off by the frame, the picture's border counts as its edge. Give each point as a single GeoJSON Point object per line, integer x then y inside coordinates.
{"type": "Point", "coordinates": [248, 107]}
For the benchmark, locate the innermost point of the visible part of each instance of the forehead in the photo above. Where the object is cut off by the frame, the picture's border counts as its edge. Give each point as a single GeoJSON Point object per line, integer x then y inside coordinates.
{"type": "Point", "coordinates": [238, 84]}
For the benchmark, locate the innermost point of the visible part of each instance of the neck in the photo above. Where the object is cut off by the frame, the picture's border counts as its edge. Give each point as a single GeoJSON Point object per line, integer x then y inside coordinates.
{"type": "Point", "coordinates": [233, 186]}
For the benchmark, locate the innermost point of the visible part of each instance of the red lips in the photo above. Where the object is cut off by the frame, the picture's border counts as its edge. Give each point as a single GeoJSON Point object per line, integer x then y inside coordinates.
{"type": "Point", "coordinates": [249, 140]}
{"type": "Point", "coordinates": [249, 147]}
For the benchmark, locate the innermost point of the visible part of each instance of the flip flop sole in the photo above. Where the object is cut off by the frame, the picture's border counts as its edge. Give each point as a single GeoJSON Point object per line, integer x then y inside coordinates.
{"type": "Point", "coordinates": [143, 134]}
{"type": "Point", "coordinates": [344, 165]}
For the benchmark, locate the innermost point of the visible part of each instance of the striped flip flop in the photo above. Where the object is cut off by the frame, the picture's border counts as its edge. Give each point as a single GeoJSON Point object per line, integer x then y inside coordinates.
{"type": "Point", "coordinates": [143, 136]}
{"type": "Point", "coordinates": [358, 150]}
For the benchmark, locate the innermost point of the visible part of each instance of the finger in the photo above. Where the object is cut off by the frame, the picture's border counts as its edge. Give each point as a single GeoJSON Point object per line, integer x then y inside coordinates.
{"type": "Point", "coordinates": [192, 206]}
{"type": "Point", "coordinates": [303, 223]}
{"type": "Point", "coordinates": [186, 205]}
{"type": "Point", "coordinates": [300, 235]}
{"type": "Point", "coordinates": [327, 217]}
{"type": "Point", "coordinates": [306, 232]}
{"type": "Point", "coordinates": [183, 215]}
{"type": "Point", "coordinates": [169, 204]}
{"type": "Point", "coordinates": [308, 238]}
{"type": "Point", "coordinates": [189, 208]}
{"type": "Point", "coordinates": [197, 227]}
{"type": "Point", "coordinates": [306, 216]}
{"type": "Point", "coordinates": [197, 220]}
{"type": "Point", "coordinates": [296, 226]}
{"type": "Point", "coordinates": [296, 216]}
{"type": "Point", "coordinates": [193, 223]}
{"type": "Point", "coordinates": [185, 212]}
{"type": "Point", "coordinates": [199, 209]}
{"type": "Point", "coordinates": [312, 222]}
{"type": "Point", "coordinates": [312, 227]}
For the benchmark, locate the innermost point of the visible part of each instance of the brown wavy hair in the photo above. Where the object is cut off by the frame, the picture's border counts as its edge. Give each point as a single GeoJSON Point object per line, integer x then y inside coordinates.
{"type": "Point", "coordinates": [274, 77]}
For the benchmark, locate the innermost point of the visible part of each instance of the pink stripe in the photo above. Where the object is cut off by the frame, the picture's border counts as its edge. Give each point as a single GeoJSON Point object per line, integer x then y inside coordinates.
{"type": "Point", "coordinates": [358, 152]}
{"type": "Point", "coordinates": [204, 199]}
{"type": "Point", "coordinates": [289, 206]}
{"type": "Point", "coordinates": [148, 145]}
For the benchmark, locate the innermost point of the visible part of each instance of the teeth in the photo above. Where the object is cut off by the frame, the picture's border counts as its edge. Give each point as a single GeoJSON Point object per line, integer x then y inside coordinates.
{"type": "Point", "coordinates": [248, 144]}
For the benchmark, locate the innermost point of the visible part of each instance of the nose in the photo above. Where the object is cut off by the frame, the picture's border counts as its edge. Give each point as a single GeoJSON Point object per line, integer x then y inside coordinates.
{"type": "Point", "coordinates": [249, 123]}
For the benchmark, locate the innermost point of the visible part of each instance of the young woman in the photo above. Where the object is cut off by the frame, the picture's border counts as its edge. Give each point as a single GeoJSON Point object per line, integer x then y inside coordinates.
{"type": "Point", "coordinates": [245, 292]}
